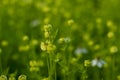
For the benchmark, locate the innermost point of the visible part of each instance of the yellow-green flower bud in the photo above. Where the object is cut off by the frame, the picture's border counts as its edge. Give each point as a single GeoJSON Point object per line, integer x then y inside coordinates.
{"type": "Point", "coordinates": [73, 60]}
{"type": "Point", "coordinates": [110, 34]}
{"type": "Point", "coordinates": [70, 22]}
{"type": "Point", "coordinates": [87, 63]}
{"type": "Point", "coordinates": [3, 77]}
{"type": "Point", "coordinates": [109, 23]}
{"type": "Point", "coordinates": [113, 49]}
{"type": "Point", "coordinates": [43, 46]}
{"type": "Point", "coordinates": [46, 34]}
{"type": "Point", "coordinates": [97, 46]}
{"type": "Point", "coordinates": [98, 20]}
{"type": "Point", "coordinates": [25, 38]}
{"type": "Point", "coordinates": [12, 78]}
{"type": "Point", "coordinates": [34, 42]}
{"type": "Point", "coordinates": [4, 43]}
{"type": "Point", "coordinates": [22, 77]}
{"type": "Point", "coordinates": [61, 40]}
{"type": "Point", "coordinates": [34, 69]}
{"type": "Point", "coordinates": [118, 77]}
{"type": "Point", "coordinates": [45, 79]}
{"type": "Point", "coordinates": [90, 43]}
{"type": "Point", "coordinates": [47, 27]}
{"type": "Point", "coordinates": [33, 63]}
{"type": "Point", "coordinates": [51, 48]}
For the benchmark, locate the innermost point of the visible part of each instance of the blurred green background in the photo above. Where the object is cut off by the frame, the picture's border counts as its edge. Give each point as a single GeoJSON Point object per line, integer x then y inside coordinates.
{"type": "Point", "coordinates": [90, 24]}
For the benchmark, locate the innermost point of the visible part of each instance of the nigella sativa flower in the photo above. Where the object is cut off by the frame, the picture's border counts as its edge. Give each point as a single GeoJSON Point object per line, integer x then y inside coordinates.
{"type": "Point", "coordinates": [81, 51]}
{"type": "Point", "coordinates": [98, 62]}
{"type": "Point", "coordinates": [35, 23]}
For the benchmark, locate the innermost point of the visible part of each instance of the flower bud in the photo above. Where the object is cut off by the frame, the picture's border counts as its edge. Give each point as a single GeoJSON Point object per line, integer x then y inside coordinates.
{"type": "Point", "coordinates": [70, 22]}
{"type": "Point", "coordinates": [4, 43]}
{"type": "Point", "coordinates": [47, 27]}
{"type": "Point", "coordinates": [87, 63]}
{"type": "Point", "coordinates": [3, 77]}
{"type": "Point", "coordinates": [113, 49]}
{"type": "Point", "coordinates": [43, 46]}
{"type": "Point", "coordinates": [25, 38]}
{"type": "Point", "coordinates": [46, 34]}
{"type": "Point", "coordinates": [110, 34]}
{"type": "Point", "coordinates": [22, 77]}
{"type": "Point", "coordinates": [51, 48]}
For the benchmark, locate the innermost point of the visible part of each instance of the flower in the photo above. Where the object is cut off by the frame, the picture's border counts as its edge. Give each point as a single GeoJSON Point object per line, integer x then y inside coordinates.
{"type": "Point", "coordinates": [67, 39]}
{"type": "Point", "coordinates": [81, 51]}
{"type": "Point", "coordinates": [98, 62]}
{"type": "Point", "coordinates": [35, 23]}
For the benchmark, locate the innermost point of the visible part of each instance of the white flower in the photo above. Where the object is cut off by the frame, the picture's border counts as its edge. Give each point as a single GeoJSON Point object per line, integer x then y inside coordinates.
{"type": "Point", "coordinates": [81, 51]}
{"type": "Point", "coordinates": [67, 39]}
{"type": "Point", "coordinates": [35, 23]}
{"type": "Point", "coordinates": [98, 62]}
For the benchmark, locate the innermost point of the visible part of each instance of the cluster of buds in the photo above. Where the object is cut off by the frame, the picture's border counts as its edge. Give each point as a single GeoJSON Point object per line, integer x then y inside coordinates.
{"type": "Point", "coordinates": [12, 78]}
{"type": "Point", "coordinates": [24, 48]}
{"type": "Point", "coordinates": [47, 44]}
{"type": "Point", "coordinates": [87, 63]}
{"type": "Point", "coordinates": [64, 40]}
{"type": "Point", "coordinates": [47, 29]}
{"type": "Point", "coordinates": [34, 66]}
{"type": "Point", "coordinates": [21, 77]}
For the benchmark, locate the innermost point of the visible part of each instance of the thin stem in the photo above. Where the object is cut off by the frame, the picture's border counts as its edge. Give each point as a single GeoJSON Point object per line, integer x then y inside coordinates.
{"type": "Point", "coordinates": [55, 72]}
{"type": "Point", "coordinates": [48, 65]}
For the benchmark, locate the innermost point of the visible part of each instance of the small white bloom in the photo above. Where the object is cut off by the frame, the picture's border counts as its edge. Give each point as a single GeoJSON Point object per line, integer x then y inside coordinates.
{"type": "Point", "coordinates": [67, 39]}
{"type": "Point", "coordinates": [35, 23]}
{"type": "Point", "coordinates": [98, 62]}
{"type": "Point", "coordinates": [81, 51]}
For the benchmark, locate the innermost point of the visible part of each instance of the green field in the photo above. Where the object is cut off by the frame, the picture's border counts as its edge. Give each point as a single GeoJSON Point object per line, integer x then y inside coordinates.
{"type": "Point", "coordinates": [59, 39]}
